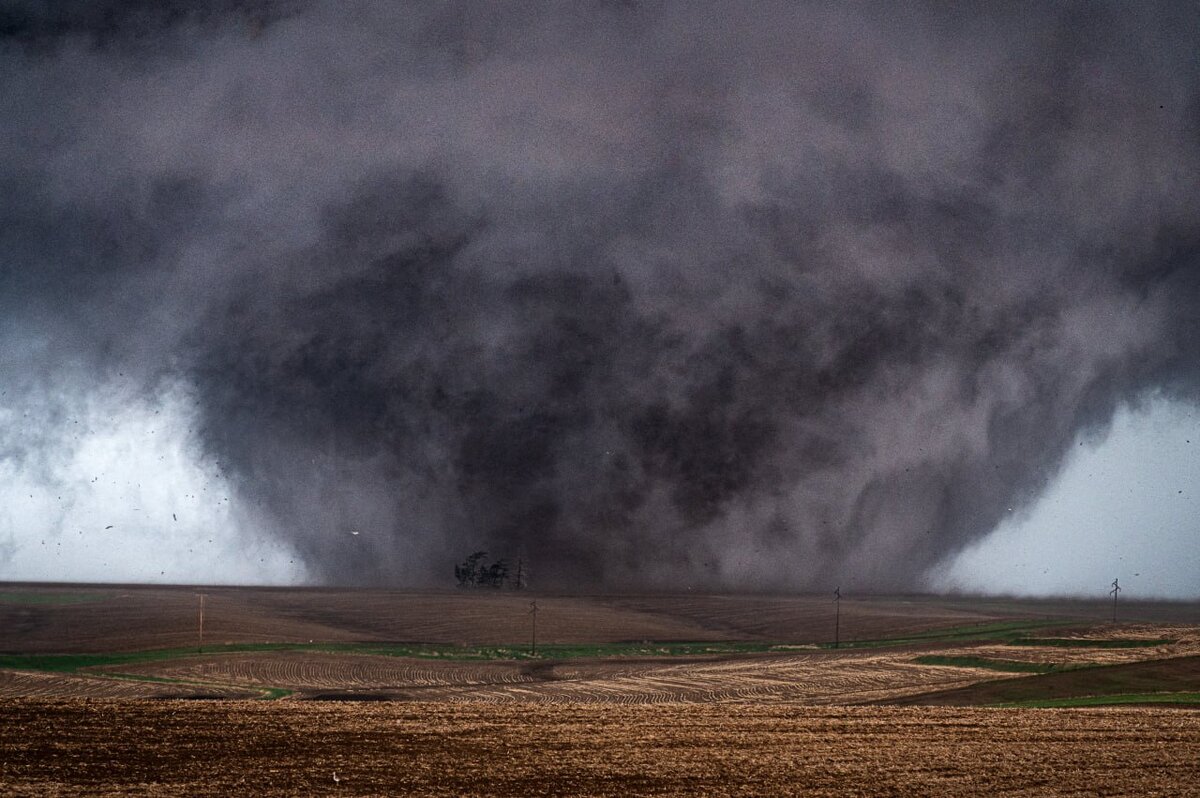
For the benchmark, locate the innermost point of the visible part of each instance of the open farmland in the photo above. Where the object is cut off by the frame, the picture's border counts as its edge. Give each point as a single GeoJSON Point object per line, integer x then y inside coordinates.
{"type": "Point", "coordinates": [88, 619]}
{"type": "Point", "coordinates": [437, 749]}
{"type": "Point", "coordinates": [144, 642]}
{"type": "Point", "coordinates": [78, 619]}
{"type": "Point", "coordinates": [826, 677]}
{"type": "Point", "coordinates": [443, 694]}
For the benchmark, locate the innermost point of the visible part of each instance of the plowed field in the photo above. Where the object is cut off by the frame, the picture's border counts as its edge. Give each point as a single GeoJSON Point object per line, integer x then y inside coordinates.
{"type": "Point", "coordinates": [1091, 648]}
{"type": "Point", "coordinates": [420, 749]}
{"type": "Point", "coordinates": [812, 678]}
{"type": "Point", "coordinates": [33, 684]}
{"type": "Point", "coordinates": [35, 618]}
{"type": "Point", "coordinates": [613, 702]}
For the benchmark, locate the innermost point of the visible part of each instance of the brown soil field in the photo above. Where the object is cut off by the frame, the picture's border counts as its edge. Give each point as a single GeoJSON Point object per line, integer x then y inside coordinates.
{"type": "Point", "coordinates": [774, 721]}
{"type": "Point", "coordinates": [221, 748]}
{"type": "Point", "coordinates": [811, 677]}
{"type": "Point", "coordinates": [47, 685]}
{"type": "Point", "coordinates": [1185, 640]}
{"type": "Point", "coordinates": [83, 618]}
{"type": "Point", "coordinates": [1175, 674]}
{"type": "Point", "coordinates": [63, 619]}
{"type": "Point", "coordinates": [817, 678]}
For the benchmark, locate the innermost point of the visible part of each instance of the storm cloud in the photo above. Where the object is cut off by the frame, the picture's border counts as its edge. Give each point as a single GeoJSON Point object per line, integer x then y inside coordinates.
{"type": "Point", "coordinates": [742, 296]}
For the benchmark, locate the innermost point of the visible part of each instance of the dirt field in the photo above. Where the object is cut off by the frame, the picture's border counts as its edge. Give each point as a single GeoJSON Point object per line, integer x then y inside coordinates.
{"type": "Point", "coordinates": [39, 618]}
{"type": "Point", "coordinates": [438, 694]}
{"type": "Point", "coordinates": [274, 748]}
{"type": "Point", "coordinates": [1185, 640]}
{"type": "Point", "coordinates": [817, 678]}
{"type": "Point", "coordinates": [789, 665]}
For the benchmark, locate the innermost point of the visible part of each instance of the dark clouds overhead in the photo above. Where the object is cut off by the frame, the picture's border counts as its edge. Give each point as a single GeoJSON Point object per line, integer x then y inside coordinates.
{"type": "Point", "coordinates": [739, 296]}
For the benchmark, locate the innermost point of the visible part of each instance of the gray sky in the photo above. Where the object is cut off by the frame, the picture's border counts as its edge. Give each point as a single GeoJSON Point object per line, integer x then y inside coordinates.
{"type": "Point", "coordinates": [650, 295]}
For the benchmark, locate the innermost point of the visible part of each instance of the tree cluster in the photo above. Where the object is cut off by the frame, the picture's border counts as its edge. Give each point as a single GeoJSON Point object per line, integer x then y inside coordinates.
{"type": "Point", "coordinates": [475, 572]}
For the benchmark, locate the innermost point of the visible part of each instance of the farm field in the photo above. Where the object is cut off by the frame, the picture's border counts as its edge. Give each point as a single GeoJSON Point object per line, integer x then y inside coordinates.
{"type": "Point", "coordinates": [130, 642]}
{"type": "Point", "coordinates": [105, 618]}
{"type": "Point", "coordinates": [223, 748]}
{"type": "Point", "coordinates": [444, 694]}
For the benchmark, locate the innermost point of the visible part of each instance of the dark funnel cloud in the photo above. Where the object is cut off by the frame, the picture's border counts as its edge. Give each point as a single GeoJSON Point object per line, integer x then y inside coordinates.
{"type": "Point", "coordinates": [719, 295]}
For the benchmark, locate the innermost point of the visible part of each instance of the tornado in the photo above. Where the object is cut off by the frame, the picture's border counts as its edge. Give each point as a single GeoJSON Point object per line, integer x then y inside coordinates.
{"type": "Point", "coordinates": [648, 295]}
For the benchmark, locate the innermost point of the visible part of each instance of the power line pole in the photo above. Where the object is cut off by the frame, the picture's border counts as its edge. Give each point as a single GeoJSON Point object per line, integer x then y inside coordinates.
{"type": "Point", "coordinates": [837, 616]}
{"type": "Point", "coordinates": [1116, 588]}
{"type": "Point", "coordinates": [533, 611]}
{"type": "Point", "coordinates": [200, 645]}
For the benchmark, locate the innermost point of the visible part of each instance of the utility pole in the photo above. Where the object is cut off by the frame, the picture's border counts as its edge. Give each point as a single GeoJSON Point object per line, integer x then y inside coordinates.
{"type": "Point", "coordinates": [200, 645]}
{"type": "Point", "coordinates": [1115, 590]}
{"type": "Point", "coordinates": [837, 616]}
{"type": "Point", "coordinates": [533, 611]}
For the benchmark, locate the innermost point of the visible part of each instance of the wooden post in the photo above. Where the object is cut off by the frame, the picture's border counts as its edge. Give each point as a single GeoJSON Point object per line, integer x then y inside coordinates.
{"type": "Point", "coordinates": [533, 629]}
{"type": "Point", "coordinates": [837, 616]}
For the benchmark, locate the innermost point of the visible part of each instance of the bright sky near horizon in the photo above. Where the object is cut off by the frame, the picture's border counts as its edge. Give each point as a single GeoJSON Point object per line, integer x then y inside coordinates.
{"type": "Point", "coordinates": [1126, 506]}
{"type": "Point", "coordinates": [147, 509]}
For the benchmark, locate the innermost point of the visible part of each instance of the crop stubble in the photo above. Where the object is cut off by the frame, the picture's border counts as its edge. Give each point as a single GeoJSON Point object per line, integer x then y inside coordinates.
{"type": "Point", "coordinates": [825, 677]}
{"type": "Point", "coordinates": [222, 748]}
{"type": "Point", "coordinates": [815, 677]}
{"type": "Point", "coordinates": [756, 724]}
{"type": "Point", "coordinates": [133, 618]}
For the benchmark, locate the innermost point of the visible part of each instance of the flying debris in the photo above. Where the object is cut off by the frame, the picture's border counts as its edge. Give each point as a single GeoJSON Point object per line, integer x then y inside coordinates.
{"type": "Point", "coordinates": [110, 526]}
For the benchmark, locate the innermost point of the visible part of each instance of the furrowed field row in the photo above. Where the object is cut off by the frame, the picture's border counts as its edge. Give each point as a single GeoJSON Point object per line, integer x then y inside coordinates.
{"type": "Point", "coordinates": [310, 670]}
{"type": "Point", "coordinates": [813, 678]}
{"type": "Point", "coordinates": [438, 749]}
{"type": "Point", "coordinates": [26, 684]}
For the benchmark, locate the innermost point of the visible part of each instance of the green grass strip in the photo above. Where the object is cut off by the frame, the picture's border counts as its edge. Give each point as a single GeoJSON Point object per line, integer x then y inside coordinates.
{"type": "Point", "coordinates": [1076, 642]}
{"type": "Point", "coordinates": [998, 630]}
{"type": "Point", "coordinates": [1118, 699]}
{"type": "Point", "coordinates": [73, 663]}
{"type": "Point", "coordinates": [1004, 665]}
